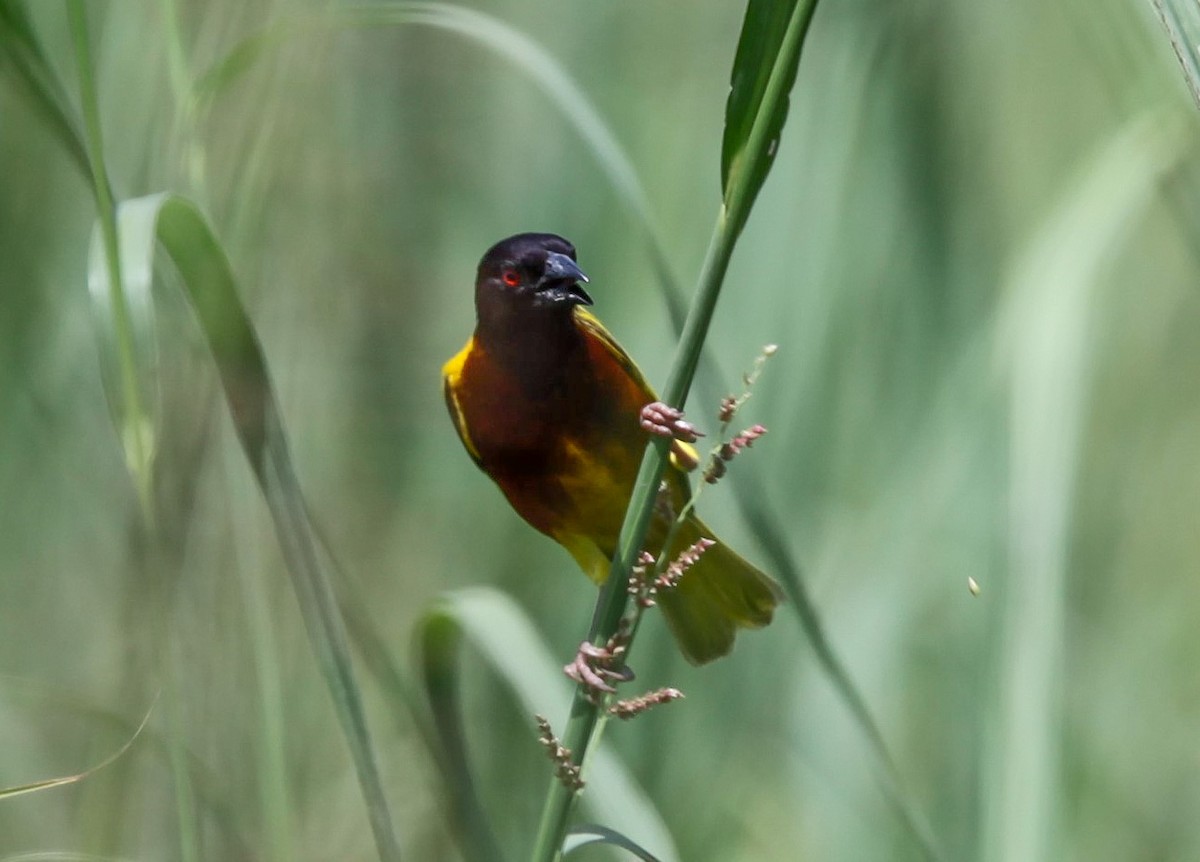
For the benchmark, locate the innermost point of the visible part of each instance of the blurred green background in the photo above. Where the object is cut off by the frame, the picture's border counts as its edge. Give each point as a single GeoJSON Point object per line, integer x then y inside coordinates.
{"type": "Point", "coordinates": [977, 252]}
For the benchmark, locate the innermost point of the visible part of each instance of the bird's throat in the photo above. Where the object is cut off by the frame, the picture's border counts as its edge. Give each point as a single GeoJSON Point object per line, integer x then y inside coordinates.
{"type": "Point", "coordinates": [538, 348]}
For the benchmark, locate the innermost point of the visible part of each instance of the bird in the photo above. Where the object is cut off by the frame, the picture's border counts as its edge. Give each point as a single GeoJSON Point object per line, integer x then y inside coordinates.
{"type": "Point", "coordinates": [550, 407]}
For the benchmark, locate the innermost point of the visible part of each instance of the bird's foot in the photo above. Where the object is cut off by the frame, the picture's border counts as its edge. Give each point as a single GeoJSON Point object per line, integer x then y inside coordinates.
{"type": "Point", "coordinates": [596, 668]}
{"type": "Point", "coordinates": [665, 421]}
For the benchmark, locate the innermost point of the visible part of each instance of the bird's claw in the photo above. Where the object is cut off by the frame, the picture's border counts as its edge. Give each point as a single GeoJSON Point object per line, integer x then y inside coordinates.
{"type": "Point", "coordinates": [664, 420]}
{"type": "Point", "coordinates": [596, 668]}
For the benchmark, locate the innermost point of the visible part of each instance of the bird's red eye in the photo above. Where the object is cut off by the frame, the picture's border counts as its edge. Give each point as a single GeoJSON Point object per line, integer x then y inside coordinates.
{"type": "Point", "coordinates": [510, 277]}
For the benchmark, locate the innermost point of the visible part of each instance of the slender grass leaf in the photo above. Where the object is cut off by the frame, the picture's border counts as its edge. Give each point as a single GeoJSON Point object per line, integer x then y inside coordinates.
{"type": "Point", "coordinates": [124, 386]}
{"type": "Point", "coordinates": [22, 57]}
{"type": "Point", "coordinates": [440, 639]}
{"type": "Point", "coordinates": [582, 836]}
{"type": "Point", "coordinates": [209, 283]}
{"type": "Point", "coordinates": [1181, 18]}
{"type": "Point", "coordinates": [508, 641]}
{"type": "Point", "coordinates": [542, 68]}
{"type": "Point", "coordinates": [227, 71]}
{"type": "Point", "coordinates": [511, 45]}
{"type": "Point", "coordinates": [762, 35]}
{"type": "Point", "coordinates": [48, 783]}
{"type": "Point", "coordinates": [137, 420]}
{"type": "Point", "coordinates": [1043, 342]}
{"type": "Point", "coordinates": [275, 790]}
{"type": "Point", "coordinates": [764, 70]}
{"type": "Point", "coordinates": [466, 815]}
{"type": "Point", "coordinates": [212, 793]}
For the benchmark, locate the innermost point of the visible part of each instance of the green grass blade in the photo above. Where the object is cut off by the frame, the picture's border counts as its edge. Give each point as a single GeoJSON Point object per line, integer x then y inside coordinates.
{"type": "Point", "coordinates": [505, 638]}
{"type": "Point", "coordinates": [510, 44]}
{"type": "Point", "coordinates": [465, 814]}
{"type": "Point", "coordinates": [211, 289]}
{"type": "Point", "coordinates": [22, 57]}
{"type": "Point", "coordinates": [1043, 339]}
{"type": "Point", "coordinates": [440, 638]}
{"type": "Point", "coordinates": [239, 60]}
{"type": "Point", "coordinates": [582, 836]}
{"type": "Point", "coordinates": [124, 324]}
{"type": "Point", "coordinates": [1181, 18]}
{"type": "Point", "coordinates": [157, 745]}
{"type": "Point", "coordinates": [63, 780]}
{"type": "Point", "coordinates": [127, 379]}
{"type": "Point", "coordinates": [543, 70]}
{"type": "Point", "coordinates": [764, 70]}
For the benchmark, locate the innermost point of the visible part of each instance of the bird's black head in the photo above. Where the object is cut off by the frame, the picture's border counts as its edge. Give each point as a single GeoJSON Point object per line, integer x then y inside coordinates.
{"type": "Point", "coordinates": [530, 271]}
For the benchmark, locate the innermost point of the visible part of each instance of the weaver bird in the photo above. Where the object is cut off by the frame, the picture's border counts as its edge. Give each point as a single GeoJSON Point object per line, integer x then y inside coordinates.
{"type": "Point", "coordinates": [550, 406]}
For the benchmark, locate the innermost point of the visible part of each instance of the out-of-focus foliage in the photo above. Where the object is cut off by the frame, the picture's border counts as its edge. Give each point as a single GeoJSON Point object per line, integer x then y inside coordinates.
{"type": "Point", "coordinates": [901, 255]}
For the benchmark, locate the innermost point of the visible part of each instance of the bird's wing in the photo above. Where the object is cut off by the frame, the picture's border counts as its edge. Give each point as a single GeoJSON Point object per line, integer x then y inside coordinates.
{"type": "Point", "coordinates": [451, 374]}
{"type": "Point", "coordinates": [684, 456]}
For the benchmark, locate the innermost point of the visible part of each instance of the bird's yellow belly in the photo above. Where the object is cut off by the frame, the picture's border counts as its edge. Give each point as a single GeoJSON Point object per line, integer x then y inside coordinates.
{"type": "Point", "coordinates": [572, 490]}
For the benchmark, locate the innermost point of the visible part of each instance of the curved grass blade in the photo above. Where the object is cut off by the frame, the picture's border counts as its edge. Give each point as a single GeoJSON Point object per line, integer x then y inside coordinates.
{"type": "Point", "coordinates": [405, 698]}
{"type": "Point", "coordinates": [124, 320]}
{"type": "Point", "coordinates": [156, 744]}
{"type": "Point", "coordinates": [541, 67]}
{"type": "Point", "coordinates": [764, 70]}
{"type": "Point", "coordinates": [1181, 18]}
{"type": "Point", "coordinates": [508, 641]}
{"type": "Point", "coordinates": [208, 280]}
{"type": "Point", "coordinates": [510, 44]}
{"type": "Point", "coordinates": [440, 638]}
{"type": "Point", "coordinates": [237, 62]}
{"type": "Point", "coordinates": [125, 383]}
{"type": "Point", "coordinates": [48, 783]}
{"type": "Point", "coordinates": [22, 56]}
{"type": "Point", "coordinates": [582, 836]}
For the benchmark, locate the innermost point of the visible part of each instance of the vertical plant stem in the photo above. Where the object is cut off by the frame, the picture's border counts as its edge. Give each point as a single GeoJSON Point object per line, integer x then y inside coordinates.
{"type": "Point", "coordinates": [273, 795]}
{"type": "Point", "coordinates": [327, 630]}
{"type": "Point", "coordinates": [584, 725]}
{"type": "Point", "coordinates": [185, 796]}
{"type": "Point", "coordinates": [133, 430]}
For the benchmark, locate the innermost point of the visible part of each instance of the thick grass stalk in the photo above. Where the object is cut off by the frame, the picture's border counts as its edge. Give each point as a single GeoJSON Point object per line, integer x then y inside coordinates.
{"type": "Point", "coordinates": [584, 723]}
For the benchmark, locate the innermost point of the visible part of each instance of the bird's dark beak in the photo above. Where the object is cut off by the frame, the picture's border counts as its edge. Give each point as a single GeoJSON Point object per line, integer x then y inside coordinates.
{"type": "Point", "coordinates": [560, 281]}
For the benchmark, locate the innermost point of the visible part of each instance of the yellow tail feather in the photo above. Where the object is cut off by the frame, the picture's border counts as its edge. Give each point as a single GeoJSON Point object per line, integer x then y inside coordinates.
{"type": "Point", "coordinates": [717, 595]}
